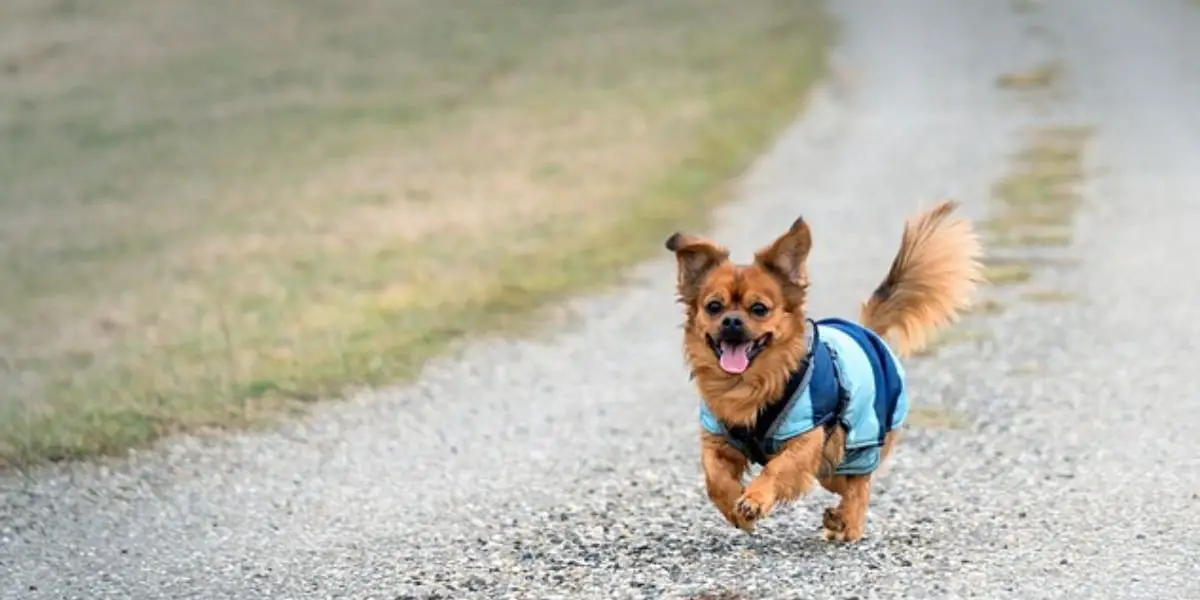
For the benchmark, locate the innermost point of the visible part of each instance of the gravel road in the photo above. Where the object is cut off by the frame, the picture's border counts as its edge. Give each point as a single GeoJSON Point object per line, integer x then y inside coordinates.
{"type": "Point", "coordinates": [566, 465]}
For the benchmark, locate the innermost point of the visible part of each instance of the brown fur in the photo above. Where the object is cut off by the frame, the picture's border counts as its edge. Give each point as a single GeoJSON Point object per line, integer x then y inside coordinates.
{"type": "Point", "coordinates": [931, 279]}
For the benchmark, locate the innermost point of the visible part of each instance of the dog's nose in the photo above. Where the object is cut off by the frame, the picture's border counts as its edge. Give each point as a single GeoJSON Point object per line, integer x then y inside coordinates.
{"type": "Point", "coordinates": [732, 329]}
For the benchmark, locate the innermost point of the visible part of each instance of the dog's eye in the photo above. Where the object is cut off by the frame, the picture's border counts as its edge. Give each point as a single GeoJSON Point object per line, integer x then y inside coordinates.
{"type": "Point", "coordinates": [759, 309]}
{"type": "Point", "coordinates": [713, 307]}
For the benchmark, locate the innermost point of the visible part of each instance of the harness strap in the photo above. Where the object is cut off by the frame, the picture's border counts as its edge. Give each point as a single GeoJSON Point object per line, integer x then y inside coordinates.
{"type": "Point", "coordinates": [751, 440]}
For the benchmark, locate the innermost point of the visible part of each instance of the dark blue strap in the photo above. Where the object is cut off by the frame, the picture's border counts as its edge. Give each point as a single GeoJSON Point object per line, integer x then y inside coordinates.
{"type": "Point", "coordinates": [824, 389]}
{"type": "Point", "coordinates": [818, 372]}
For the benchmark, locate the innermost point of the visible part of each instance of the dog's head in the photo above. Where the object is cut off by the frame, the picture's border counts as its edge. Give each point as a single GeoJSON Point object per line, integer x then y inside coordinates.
{"type": "Point", "coordinates": [743, 318]}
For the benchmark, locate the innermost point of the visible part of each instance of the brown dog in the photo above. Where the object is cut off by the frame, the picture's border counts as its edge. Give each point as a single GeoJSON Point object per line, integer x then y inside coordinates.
{"type": "Point", "coordinates": [810, 400]}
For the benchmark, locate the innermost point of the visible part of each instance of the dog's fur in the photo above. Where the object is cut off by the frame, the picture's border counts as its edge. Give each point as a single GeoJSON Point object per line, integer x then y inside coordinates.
{"type": "Point", "coordinates": [931, 280]}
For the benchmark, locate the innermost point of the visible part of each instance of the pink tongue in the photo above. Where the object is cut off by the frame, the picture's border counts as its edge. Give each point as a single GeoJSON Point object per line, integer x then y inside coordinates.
{"type": "Point", "coordinates": [735, 359]}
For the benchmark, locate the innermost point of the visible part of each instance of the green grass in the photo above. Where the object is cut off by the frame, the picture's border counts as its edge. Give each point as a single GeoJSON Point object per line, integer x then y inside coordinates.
{"type": "Point", "coordinates": [215, 213]}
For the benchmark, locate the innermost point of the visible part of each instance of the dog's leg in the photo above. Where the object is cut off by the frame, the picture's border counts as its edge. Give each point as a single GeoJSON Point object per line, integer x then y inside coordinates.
{"type": "Point", "coordinates": [786, 477]}
{"type": "Point", "coordinates": [832, 522]}
{"type": "Point", "coordinates": [847, 521]}
{"type": "Point", "coordinates": [723, 469]}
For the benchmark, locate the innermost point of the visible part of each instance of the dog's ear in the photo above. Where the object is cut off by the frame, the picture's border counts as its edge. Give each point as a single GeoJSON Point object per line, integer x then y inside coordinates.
{"type": "Point", "coordinates": [787, 255]}
{"type": "Point", "coordinates": [696, 257]}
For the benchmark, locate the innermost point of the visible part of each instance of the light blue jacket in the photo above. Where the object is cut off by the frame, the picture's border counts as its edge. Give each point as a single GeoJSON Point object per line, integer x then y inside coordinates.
{"type": "Point", "coordinates": [850, 377]}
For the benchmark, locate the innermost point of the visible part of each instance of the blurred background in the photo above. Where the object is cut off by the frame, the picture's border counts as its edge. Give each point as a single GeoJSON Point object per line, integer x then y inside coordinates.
{"type": "Point", "coordinates": [213, 213]}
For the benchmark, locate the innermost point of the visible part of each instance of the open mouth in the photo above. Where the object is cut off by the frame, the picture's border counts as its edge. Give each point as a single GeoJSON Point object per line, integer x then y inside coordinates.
{"type": "Point", "coordinates": [736, 358]}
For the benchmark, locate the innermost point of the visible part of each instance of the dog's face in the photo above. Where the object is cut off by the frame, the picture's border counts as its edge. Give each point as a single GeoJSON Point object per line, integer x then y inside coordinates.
{"type": "Point", "coordinates": [742, 316]}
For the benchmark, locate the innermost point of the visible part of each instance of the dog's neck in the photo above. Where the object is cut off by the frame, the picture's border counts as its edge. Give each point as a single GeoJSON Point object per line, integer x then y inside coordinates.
{"type": "Point", "coordinates": [737, 400]}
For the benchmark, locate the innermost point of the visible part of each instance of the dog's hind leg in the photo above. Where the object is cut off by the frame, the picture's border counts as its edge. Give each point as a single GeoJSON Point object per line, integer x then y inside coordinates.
{"type": "Point", "coordinates": [847, 521]}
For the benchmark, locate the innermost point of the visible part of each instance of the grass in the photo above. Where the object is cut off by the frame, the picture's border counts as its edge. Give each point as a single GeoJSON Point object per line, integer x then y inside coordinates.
{"type": "Point", "coordinates": [1007, 274]}
{"type": "Point", "coordinates": [1030, 262]}
{"type": "Point", "coordinates": [215, 213]}
{"type": "Point", "coordinates": [986, 306]}
{"type": "Point", "coordinates": [1049, 296]}
{"type": "Point", "coordinates": [928, 416]}
{"type": "Point", "coordinates": [1035, 203]}
{"type": "Point", "coordinates": [945, 337]}
{"type": "Point", "coordinates": [1041, 188]}
{"type": "Point", "coordinates": [1034, 206]}
{"type": "Point", "coordinates": [1040, 76]}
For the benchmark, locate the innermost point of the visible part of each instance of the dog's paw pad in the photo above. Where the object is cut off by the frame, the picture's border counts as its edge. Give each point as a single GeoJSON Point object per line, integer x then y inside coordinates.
{"type": "Point", "coordinates": [748, 509]}
{"type": "Point", "coordinates": [830, 535]}
{"type": "Point", "coordinates": [844, 535]}
{"type": "Point", "coordinates": [742, 523]}
{"type": "Point", "coordinates": [832, 520]}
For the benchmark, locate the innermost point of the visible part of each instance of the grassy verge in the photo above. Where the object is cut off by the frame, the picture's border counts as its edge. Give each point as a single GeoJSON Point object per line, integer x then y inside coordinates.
{"type": "Point", "coordinates": [214, 213]}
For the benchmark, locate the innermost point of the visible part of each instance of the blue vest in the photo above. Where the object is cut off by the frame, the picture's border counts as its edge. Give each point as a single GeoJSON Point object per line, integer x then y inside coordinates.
{"type": "Point", "coordinates": [849, 377]}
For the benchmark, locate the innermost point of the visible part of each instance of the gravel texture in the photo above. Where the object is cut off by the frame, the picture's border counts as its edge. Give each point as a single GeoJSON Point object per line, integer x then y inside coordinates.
{"type": "Point", "coordinates": [566, 465]}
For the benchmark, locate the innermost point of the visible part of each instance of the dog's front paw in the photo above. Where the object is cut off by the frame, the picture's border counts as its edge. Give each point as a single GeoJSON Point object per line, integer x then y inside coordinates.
{"type": "Point", "coordinates": [754, 504]}
{"type": "Point", "coordinates": [735, 518]}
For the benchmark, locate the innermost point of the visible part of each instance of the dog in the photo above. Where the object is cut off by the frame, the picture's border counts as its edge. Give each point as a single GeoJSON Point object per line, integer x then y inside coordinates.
{"type": "Point", "coordinates": [811, 401]}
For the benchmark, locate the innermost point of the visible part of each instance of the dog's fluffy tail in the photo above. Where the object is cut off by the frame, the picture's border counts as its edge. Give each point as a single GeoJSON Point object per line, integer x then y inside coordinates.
{"type": "Point", "coordinates": [932, 278]}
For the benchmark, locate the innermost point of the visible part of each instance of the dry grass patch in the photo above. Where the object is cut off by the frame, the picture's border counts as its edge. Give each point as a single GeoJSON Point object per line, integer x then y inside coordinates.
{"type": "Point", "coordinates": [1035, 205]}
{"type": "Point", "coordinates": [946, 337]}
{"type": "Point", "coordinates": [216, 211]}
{"type": "Point", "coordinates": [1037, 200]}
{"type": "Point", "coordinates": [986, 306]}
{"type": "Point", "coordinates": [1041, 76]}
{"type": "Point", "coordinates": [1031, 262]}
{"type": "Point", "coordinates": [1041, 188]}
{"type": "Point", "coordinates": [927, 416]}
{"type": "Point", "coordinates": [1049, 296]}
{"type": "Point", "coordinates": [1014, 218]}
{"type": "Point", "coordinates": [1007, 274]}
{"type": "Point", "coordinates": [1046, 238]}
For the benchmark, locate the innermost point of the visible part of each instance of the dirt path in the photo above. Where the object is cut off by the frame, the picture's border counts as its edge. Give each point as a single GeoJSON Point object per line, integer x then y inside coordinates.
{"type": "Point", "coordinates": [1063, 463]}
